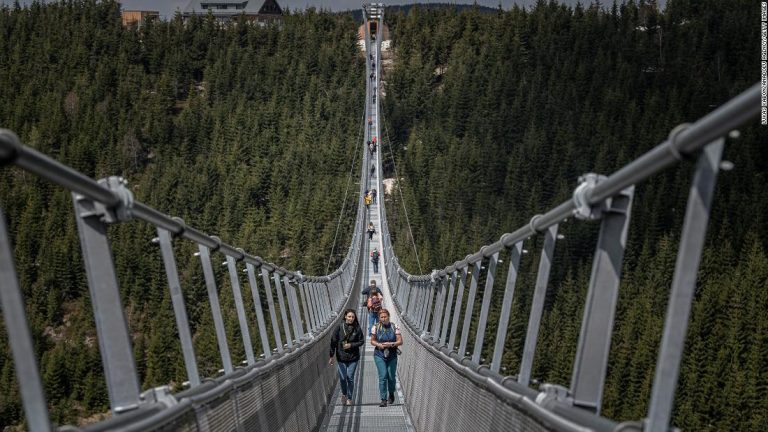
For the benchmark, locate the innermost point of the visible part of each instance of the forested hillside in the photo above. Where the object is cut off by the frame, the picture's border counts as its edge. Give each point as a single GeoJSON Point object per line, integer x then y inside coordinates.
{"type": "Point", "coordinates": [245, 132]}
{"type": "Point", "coordinates": [492, 118]}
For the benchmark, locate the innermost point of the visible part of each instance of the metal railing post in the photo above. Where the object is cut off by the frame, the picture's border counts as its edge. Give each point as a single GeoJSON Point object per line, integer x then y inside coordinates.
{"type": "Point", "coordinates": [480, 335]}
{"type": "Point", "coordinates": [259, 309]}
{"type": "Point", "coordinates": [20, 338]}
{"type": "Point", "coordinates": [213, 298]}
{"type": "Point", "coordinates": [307, 298]}
{"type": "Point", "coordinates": [283, 311]}
{"type": "Point", "coordinates": [457, 308]}
{"type": "Point", "coordinates": [437, 315]}
{"type": "Point", "coordinates": [684, 285]}
{"type": "Point", "coordinates": [179, 309]}
{"type": "Point", "coordinates": [470, 305]}
{"type": "Point", "coordinates": [448, 305]}
{"type": "Point", "coordinates": [534, 319]}
{"type": "Point", "coordinates": [272, 312]}
{"type": "Point", "coordinates": [591, 362]}
{"type": "Point", "coordinates": [111, 325]}
{"type": "Point", "coordinates": [293, 307]}
{"type": "Point", "coordinates": [240, 308]}
{"type": "Point", "coordinates": [429, 288]}
{"type": "Point", "coordinates": [506, 305]}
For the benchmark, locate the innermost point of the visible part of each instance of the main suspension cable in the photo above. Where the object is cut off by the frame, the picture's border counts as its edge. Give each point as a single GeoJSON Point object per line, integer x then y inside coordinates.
{"type": "Point", "coordinates": [402, 200]}
{"type": "Point", "coordinates": [346, 192]}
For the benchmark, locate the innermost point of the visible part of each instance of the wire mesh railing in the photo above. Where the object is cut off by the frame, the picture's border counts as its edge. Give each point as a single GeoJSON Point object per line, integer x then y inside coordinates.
{"type": "Point", "coordinates": [446, 363]}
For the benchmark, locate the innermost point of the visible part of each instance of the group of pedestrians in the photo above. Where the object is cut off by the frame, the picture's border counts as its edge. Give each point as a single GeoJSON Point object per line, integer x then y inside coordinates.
{"type": "Point", "coordinates": [370, 197]}
{"type": "Point", "coordinates": [384, 336]}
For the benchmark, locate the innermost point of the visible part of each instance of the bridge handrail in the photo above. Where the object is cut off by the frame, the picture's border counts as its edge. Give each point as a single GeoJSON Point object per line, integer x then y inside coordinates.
{"type": "Point", "coordinates": [308, 305]}
{"type": "Point", "coordinates": [426, 305]}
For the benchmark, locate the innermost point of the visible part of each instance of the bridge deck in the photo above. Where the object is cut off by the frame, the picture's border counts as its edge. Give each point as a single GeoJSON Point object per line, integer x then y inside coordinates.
{"type": "Point", "coordinates": [365, 414]}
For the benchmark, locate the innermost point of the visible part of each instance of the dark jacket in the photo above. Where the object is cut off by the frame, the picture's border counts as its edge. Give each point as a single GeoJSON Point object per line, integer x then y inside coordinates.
{"type": "Point", "coordinates": [354, 337]}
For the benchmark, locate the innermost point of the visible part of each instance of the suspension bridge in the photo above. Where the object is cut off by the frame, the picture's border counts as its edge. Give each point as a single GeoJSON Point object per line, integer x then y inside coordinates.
{"type": "Point", "coordinates": [441, 384]}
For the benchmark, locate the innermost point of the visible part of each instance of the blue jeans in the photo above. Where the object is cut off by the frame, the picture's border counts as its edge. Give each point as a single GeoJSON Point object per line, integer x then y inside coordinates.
{"type": "Point", "coordinates": [347, 377]}
{"type": "Point", "coordinates": [373, 318]}
{"type": "Point", "coordinates": [387, 370]}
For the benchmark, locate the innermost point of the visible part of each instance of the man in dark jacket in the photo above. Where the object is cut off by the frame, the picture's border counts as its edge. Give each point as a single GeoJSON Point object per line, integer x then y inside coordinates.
{"type": "Point", "coordinates": [345, 347]}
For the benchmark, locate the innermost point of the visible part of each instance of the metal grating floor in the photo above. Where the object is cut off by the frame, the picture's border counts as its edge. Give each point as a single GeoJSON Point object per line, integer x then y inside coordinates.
{"type": "Point", "coordinates": [366, 415]}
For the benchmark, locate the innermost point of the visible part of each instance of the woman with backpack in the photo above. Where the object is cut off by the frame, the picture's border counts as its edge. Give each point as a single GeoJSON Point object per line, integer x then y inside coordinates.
{"type": "Point", "coordinates": [385, 336]}
{"type": "Point", "coordinates": [374, 305]}
{"type": "Point", "coordinates": [345, 346]}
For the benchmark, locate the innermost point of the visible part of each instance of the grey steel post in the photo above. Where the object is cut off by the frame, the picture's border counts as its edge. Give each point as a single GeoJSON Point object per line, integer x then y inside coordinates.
{"type": "Point", "coordinates": [341, 289]}
{"type": "Point", "coordinates": [314, 314]}
{"type": "Point", "coordinates": [421, 301]}
{"type": "Point", "coordinates": [534, 319]}
{"type": "Point", "coordinates": [309, 306]}
{"type": "Point", "coordinates": [409, 297]}
{"type": "Point", "coordinates": [506, 305]}
{"type": "Point", "coordinates": [293, 306]}
{"type": "Point", "coordinates": [448, 304]}
{"type": "Point", "coordinates": [591, 362]}
{"type": "Point", "coordinates": [283, 312]}
{"type": "Point", "coordinates": [406, 293]}
{"type": "Point", "coordinates": [437, 315]}
{"type": "Point", "coordinates": [111, 326]}
{"type": "Point", "coordinates": [333, 291]}
{"type": "Point", "coordinates": [684, 285]}
{"type": "Point", "coordinates": [430, 289]}
{"type": "Point", "coordinates": [272, 313]}
{"type": "Point", "coordinates": [480, 336]}
{"type": "Point", "coordinates": [318, 303]}
{"type": "Point", "coordinates": [20, 338]}
{"type": "Point", "coordinates": [213, 298]}
{"type": "Point", "coordinates": [259, 310]}
{"type": "Point", "coordinates": [457, 309]}
{"type": "Point", "coordinates": [320, 307]}
{"type": "Point", "coordinates": [315, 305]}
{"type": "Point", "coordinates": [399, 284]}
{"type": "Point", "coordinates": [470, 306]}
{"type": "Point", "coordinates": [327, 296]}
{"type": "Point", "coordinates": [418, 295]}
{"type": "Point", "coordinates": [240, 308]}
{"type": "Point", "coordinates": [179, 309]}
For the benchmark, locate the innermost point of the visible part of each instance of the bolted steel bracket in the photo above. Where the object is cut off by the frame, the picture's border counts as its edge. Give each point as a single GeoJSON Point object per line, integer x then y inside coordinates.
{"type": "Point", "coordinates": [553, 392]}
{"type": "Point", "coordinates": [119, 213]}
{"type": "Point", "coordinates": [161, 394]}
{"type": "Point", "coordinates": [583, 209]}
{"type": "Point", "coordinates": [434, 276]}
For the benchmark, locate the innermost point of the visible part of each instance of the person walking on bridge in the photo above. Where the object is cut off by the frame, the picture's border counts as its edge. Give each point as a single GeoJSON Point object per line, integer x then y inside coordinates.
{"type": "Point", "coordinates": [375, 260]}
{"type": "Point", "coordinates": [374, 304]}
{"type": "Point", "coordinates": [345, 346]}
{"type": "Point", "coordinates": [386, 338]}
{"type": "Point", "coordinates": [367, 292]}
{"type": "Point", "coordinates": [371, 229]}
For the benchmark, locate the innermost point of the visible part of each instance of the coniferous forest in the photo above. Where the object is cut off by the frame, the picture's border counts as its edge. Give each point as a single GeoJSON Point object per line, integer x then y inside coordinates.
{"type": "Point", "coordinates": [245, 132]}
{"type": "Point", "coordinates": [251, 133]}
{"type": "Point", "coordinates": [493, 117]}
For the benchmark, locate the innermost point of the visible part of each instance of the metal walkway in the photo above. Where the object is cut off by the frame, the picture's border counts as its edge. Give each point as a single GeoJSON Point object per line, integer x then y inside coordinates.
{"type": "Point", "coordinates": [365, 414]}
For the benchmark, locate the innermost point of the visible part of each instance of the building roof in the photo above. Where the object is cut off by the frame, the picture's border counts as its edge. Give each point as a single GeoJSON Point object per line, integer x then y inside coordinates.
{"type": "Point", "coordinates": [270, 7]}
{"type": "Point", "coordinates": [233, 7]}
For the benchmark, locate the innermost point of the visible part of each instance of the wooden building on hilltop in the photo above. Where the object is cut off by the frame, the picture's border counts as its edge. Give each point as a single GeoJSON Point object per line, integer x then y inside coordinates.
{"type": "Point", "coordinates": [138, 17]}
